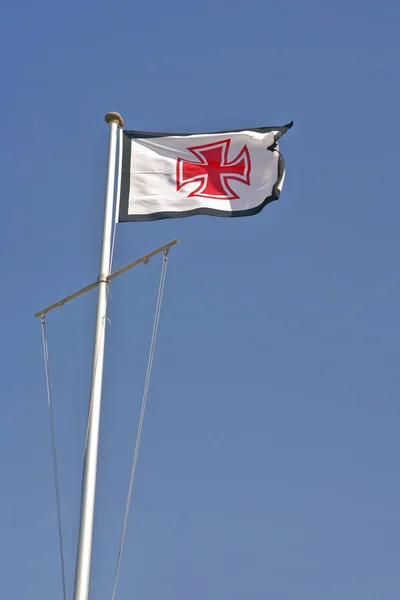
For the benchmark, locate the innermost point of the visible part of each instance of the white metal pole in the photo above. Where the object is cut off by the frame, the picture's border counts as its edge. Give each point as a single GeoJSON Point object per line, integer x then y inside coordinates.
{"type": "Point", "coordinates": [82, 573]}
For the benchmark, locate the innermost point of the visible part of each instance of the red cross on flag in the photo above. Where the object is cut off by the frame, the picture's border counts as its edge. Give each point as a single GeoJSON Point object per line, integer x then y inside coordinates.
{"type": "Point", "coordinates": [225, 174]}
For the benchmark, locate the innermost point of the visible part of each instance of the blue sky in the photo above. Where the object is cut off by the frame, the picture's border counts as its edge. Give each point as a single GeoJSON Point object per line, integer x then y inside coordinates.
{"type": "Point", "coordinates": [269, 460]}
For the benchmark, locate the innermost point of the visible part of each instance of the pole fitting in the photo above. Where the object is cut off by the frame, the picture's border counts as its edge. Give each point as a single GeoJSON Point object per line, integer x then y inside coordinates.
{"type": "Point", "coordinates": [102, 278]}
{"type": "Point", "coordinates": [114, 117]}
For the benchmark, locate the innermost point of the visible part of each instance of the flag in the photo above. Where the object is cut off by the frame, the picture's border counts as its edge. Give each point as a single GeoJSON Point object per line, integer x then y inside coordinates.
{"type": "Point", "coordinates": [224, 174]}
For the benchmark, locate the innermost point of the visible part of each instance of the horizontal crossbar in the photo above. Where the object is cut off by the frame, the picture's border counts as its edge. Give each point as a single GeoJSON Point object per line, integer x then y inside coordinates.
{"type": "Point", "coordinates": [143, 259]}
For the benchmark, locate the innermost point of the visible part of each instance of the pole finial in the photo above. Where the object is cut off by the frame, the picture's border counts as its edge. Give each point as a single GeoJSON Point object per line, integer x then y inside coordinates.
{"type": "Point", "coordinates": [114, 116]}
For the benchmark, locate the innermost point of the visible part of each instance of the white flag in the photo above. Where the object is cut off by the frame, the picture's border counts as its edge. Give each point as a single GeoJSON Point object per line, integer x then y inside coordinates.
{"type": "Point", "coordinates": [224, 174]}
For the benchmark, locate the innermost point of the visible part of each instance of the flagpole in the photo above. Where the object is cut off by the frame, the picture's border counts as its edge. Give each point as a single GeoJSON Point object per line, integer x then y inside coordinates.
{"type": "Point", "coordinates": [82, 573]}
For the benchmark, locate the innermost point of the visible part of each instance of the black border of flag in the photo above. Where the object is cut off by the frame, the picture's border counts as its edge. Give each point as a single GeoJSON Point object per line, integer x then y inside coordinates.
{"type": "Point", "coordinates": [125, 217]}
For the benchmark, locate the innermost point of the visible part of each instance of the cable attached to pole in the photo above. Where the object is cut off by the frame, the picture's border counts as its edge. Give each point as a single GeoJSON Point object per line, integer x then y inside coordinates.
{"type": "Point", "coordinates": [142, 412]}
{"type": "Point", "coordinates": [118, 192]}
{"type": "Point", "coordinates": [53, 446]}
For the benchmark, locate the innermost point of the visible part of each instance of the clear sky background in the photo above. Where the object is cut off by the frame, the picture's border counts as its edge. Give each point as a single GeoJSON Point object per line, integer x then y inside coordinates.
{"type": "Point", "coordinates": [269, 464]}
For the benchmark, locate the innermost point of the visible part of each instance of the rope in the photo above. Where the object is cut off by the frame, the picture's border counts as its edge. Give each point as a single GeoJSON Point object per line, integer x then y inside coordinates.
{"type": "Point", "coordinates": [118, 194]}
{"type": "Point", "coordinates": [53, 445]}
{"type": "Point", "coordinates": [96, 360]}
{"type": "Point", "coordinates": [142, 412]}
